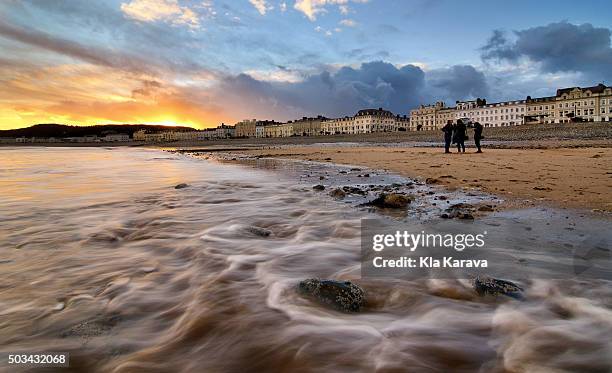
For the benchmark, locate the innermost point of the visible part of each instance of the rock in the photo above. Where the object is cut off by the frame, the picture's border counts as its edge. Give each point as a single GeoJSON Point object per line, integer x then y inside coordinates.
{"type": "Point", "coordinates": [342, 172]}
{"type": "Point", "coordinates": [318, 187]}
{"type": "Point", "coordinates": [355, 169]}
{"type": "Point", "coordinates": [258, 231]}
{"type": "Point", "coordinates": [442, 198]}
{"type": "Point", "coordinates": [353, 190]}
{"type": "Point", "coordinates": [542, 188]}
{"type": "Point", "coordinates": [487, 285]}
{"type": "Point", "coordinates": [337, 193]}
{"type": "Point", "coordinates": [148, 269]}
{"type": "Point", "coordinates": [181, 186]}
{"type": "Point", "coordinates": [459, 211]}
{"type": "Point", "coordinates": [321, 177]}
{"type": "Point", "coordinates": [391, 200]}
{"type": "Point", "coordinates": [485, 208]}
{"type": "Point", "coordinates": [342, 295]}
{"type": "Point", "coordinates": [366, 175]}
{"type": "Point", "coordinates": [431, 180]}
{"type": "Point", "coordinates": [327, 159]}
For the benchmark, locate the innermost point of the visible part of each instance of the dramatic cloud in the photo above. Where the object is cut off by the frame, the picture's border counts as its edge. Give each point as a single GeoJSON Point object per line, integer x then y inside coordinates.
{"type": "Point", "coordinates": [344, 92]}
{"type": "Point", "coordinates": [374, 84]}
{"type": "Point", "coordinates": [557, 47]}
{"type": "Point", "coordinates": [457, 82]}
{"type": "Point", "coordinates": [161, 10]}
{"type": "Point", "coordinates": [311, 8]}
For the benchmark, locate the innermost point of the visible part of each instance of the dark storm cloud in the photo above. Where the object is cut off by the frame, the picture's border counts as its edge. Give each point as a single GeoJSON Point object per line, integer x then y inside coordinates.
{"type": "Point", "coordinates": [372, 84]}
{"type": "Point", "coordinates": [458, 82]}
{"type": "Point", "coordinates": [558, 47]}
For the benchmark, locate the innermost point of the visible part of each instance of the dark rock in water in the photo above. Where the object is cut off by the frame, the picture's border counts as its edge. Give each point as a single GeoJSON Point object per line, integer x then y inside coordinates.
{"type": "Point", "coordinates": [321, 177]}
{"type": "Point", "coordinates": [355, 169]}
{"type": "Point", "coordinates": [181, 186]}
{"type": "Point", "coordinates": [342, 295]}
{"type": "Point", "coordinates": [366, 175]}
{"type": "Point", "coordinates": [318, 187]}
{"type": "Point", "coordinates": [258, 231]}
{"type": "Point", "coordinates": [485, 208]}
{"type": "Point", "coordinates": [459, 211]}
{"type": "Point", "coordinates": [342, 172]}
{"type": "Point", "coordinates": [353, 190]}
{"type": "Point", "coordinates": [337, 193]}
{"type": "Point", "coordinates": [391, 200]}
{"type": "Point", "coordinates": [487, 285]}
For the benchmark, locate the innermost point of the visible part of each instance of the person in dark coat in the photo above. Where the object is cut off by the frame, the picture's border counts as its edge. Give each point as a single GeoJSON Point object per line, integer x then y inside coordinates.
{"type": "Point", "coordinates": [478, 136]}
{"type": "Point", "coordinates": [460, 135]}
{"type": "Point", "coordinates": [448, 135]}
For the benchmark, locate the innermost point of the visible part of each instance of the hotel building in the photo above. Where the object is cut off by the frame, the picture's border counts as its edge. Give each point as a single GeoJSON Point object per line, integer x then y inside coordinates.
{"type": "Point", "coordinates": [590, 104]}
{"type": "Point", "coordinates": [499, 114]}
{"type": "Point", "coordinates": [424, 117]}
{"type": "Point", "coordinates": [366, 121]}
{"type": "Point", "coordinates": [307, 126]}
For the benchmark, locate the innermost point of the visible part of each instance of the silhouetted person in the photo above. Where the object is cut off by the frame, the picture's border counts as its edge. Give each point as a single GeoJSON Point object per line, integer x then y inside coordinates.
{"type": "Point", "coordinates": [459, 135]}
{"type": "Point", "coordinates": [478, 136]}
{"type": "Point", "coordinates": [448, 135]}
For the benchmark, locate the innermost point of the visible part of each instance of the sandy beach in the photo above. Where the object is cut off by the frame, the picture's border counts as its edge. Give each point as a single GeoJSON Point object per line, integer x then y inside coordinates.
{"type": "Point", "coordinates": [564, 177]}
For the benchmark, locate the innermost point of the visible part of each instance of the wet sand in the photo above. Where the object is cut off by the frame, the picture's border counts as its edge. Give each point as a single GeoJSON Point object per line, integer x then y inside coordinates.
{"type": "Point", "coordinates": [573, 178]}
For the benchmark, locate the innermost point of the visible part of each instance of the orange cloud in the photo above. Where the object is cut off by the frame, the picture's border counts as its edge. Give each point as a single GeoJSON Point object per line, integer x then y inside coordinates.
{"type": "Point", "coordinates": [89, 94]}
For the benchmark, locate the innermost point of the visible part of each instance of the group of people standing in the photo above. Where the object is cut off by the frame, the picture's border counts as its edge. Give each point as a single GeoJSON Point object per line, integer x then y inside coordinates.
{"type": "Point", "coordinates": [457, 134]}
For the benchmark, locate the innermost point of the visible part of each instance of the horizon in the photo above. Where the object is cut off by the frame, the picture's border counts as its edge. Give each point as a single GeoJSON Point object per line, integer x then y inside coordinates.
{"type": "Point", "coordinates": [201, 63]}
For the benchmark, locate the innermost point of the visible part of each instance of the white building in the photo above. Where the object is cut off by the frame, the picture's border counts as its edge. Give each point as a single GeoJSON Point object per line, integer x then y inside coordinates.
{"type": "Point", "coordinates": [365, 121]}
{"type": "Point", "coordinates": [224, 131]}
{"type": "Point", "coordinates": [499, 114]}
{"type": "Point", "coordinates": [260, 131]}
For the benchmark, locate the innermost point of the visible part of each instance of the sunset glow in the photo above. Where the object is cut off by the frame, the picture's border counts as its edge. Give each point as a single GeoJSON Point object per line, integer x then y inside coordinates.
{"type": "Point", "coordinates": [199, 63]}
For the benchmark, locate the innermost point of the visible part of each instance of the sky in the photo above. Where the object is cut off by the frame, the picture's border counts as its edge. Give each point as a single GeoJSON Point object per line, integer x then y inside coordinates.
{"type": "Point", "coordinates": [203, 62]}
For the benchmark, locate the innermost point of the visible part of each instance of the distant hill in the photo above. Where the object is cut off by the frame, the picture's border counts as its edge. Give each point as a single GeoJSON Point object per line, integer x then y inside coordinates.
{"type": "Point", "coordinates": [62, 130]}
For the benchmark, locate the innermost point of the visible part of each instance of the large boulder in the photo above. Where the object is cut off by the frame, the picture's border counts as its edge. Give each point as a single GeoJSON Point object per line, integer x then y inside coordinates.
{"type": "Point", "coordinates": [341, 295]}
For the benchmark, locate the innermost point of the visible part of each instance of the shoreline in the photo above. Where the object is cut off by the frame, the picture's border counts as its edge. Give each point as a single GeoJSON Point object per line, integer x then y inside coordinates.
{"type": "Point", "coordinates": [569, 178]}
